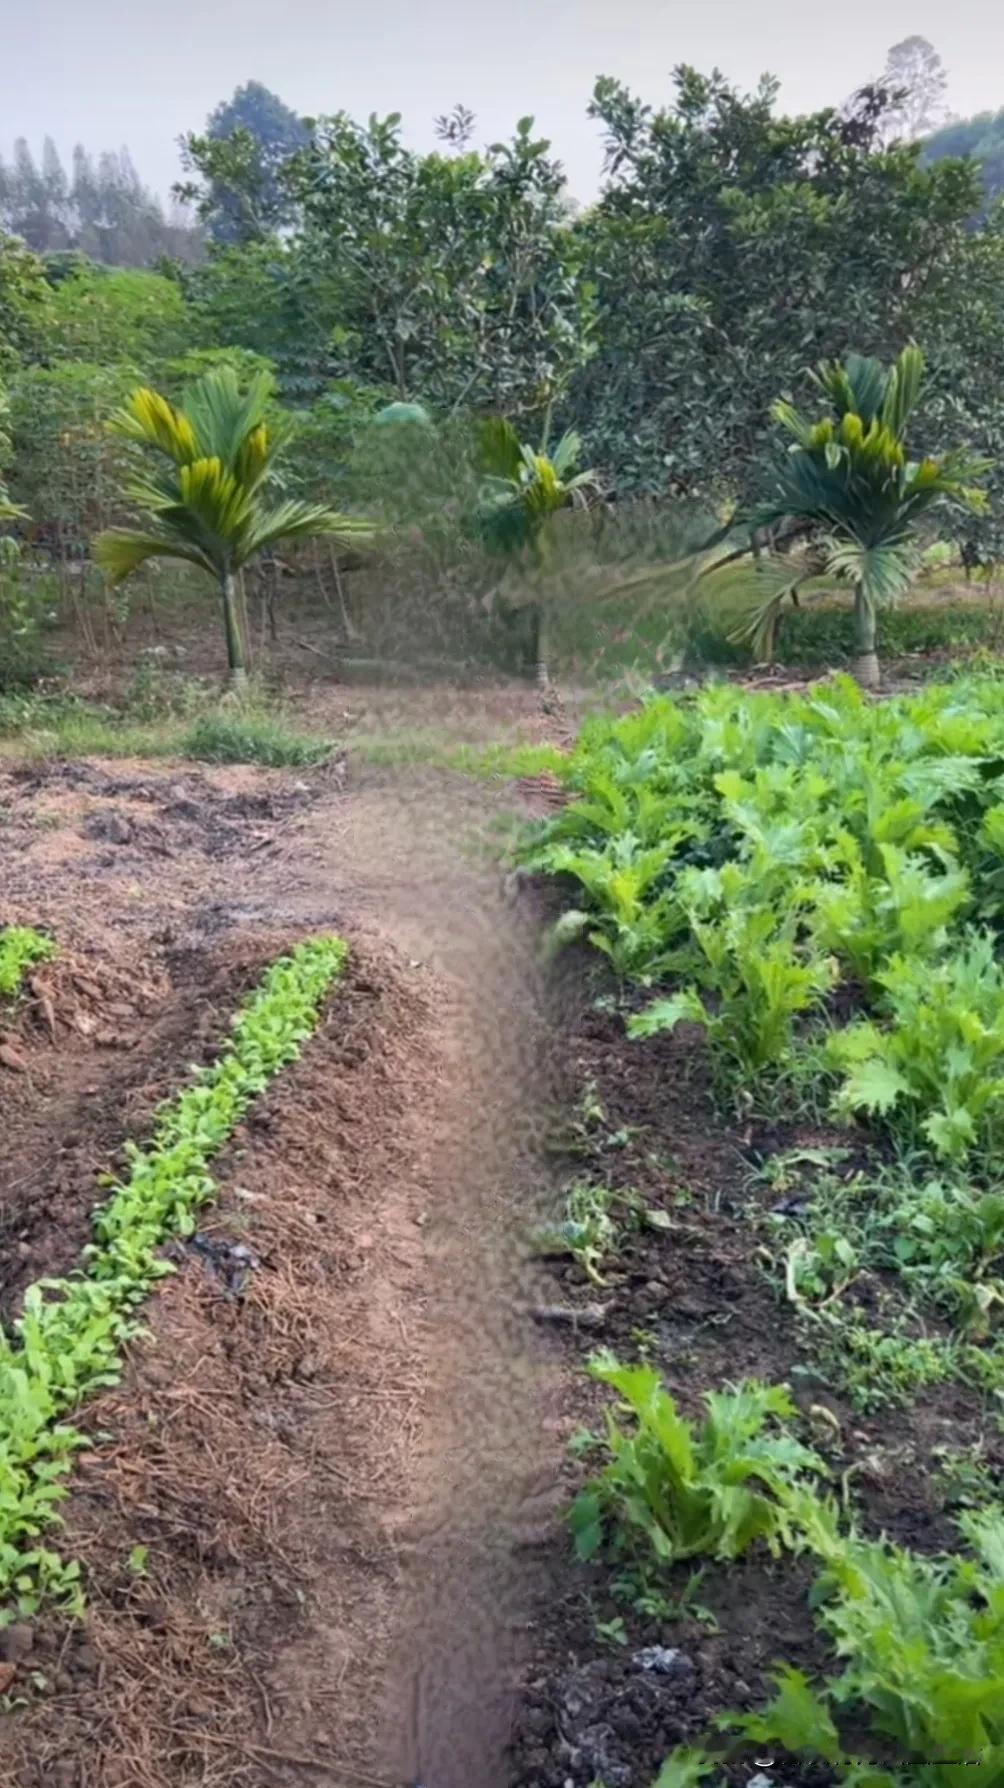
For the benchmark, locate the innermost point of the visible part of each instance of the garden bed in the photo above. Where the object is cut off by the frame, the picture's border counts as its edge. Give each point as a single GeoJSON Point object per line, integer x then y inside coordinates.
{"type": "Point", "coordinates": [692, 1299]}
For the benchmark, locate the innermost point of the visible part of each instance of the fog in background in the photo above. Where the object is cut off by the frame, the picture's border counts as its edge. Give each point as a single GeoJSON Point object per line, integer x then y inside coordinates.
{"type": "Point", "coordinates": [114, 72]}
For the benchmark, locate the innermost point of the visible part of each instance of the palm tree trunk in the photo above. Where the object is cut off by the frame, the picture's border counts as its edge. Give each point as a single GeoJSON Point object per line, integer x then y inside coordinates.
{"type": "Point", "coordinates": [866, 664]}
{"type": "Point", "coordinates": [235, 644]}
{"type": "Point", "coordinates": [543, 646]}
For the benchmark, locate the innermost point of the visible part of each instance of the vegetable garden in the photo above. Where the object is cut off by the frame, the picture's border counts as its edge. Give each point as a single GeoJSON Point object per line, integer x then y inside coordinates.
{"type": "Point", "coordinates": [502, 1240]}
{"type": "Point", "coordinates": [807, 883]}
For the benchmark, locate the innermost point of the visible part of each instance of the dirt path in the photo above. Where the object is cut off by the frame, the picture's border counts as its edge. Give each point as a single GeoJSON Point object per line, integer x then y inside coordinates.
{"type": "Point", "coordinates": [340, 1479]}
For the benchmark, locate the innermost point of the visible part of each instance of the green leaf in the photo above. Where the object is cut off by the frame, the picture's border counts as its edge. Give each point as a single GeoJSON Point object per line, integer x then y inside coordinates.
{"type": "Point", "coordinates": [684, 1768]}
{"type": "Point", "coordinates": [874, 1086]}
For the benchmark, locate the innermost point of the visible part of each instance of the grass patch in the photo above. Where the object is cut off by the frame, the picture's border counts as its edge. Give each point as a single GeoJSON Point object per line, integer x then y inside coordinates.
{"type": "Point", "coordinates": [41, 727]}
{"type": "Point", "coordinates": [69, 1341]}
{"type": "Point", "coordinates": [250, 737]}
{"type": "Point", "coordinates": [485, 763]}
{"type": "Point", "coordinates": [60, 726]}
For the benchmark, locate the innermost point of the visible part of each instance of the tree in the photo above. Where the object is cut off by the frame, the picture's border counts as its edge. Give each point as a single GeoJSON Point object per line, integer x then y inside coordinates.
{"type": "Point", "coordinates": [522, 488]}
{"type": "Point", "coordinates": [207, 496]}
{"type": "Point", "coordinates": [239, 162]}
{"type": "Point", "coordinates": [25, 303]}
{"type": "Point", "coordinates": [849, 476]}
{"type": "Point", "coordinates": [7, 508]}
{"type": "Point", "coordinates": [697, 332]}
{"type": "Point", "coordinates": [454, 278]}
{"type": "Point", "coordinates": [981, 137]}
{"type": "Point", "coordinates": [916, 74]}
{"type": "Point", "coordinates": [274, 299]}
{"type": "Point", "coordinates": [107, 214]}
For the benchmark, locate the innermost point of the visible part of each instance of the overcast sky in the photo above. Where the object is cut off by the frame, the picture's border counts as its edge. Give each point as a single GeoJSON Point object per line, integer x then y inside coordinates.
{"type": "Point", "coordinates": [114, 72]}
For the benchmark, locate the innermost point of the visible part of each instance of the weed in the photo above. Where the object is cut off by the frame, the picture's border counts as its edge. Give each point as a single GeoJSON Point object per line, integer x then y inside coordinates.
{"type": "Point", "coordinates": [643, 1590]}
{"type": "Point", "coordinates": [596, 1220]}
{"type": "Point", "coordinates": [965, 1478]}
{"type": "Point", "coordinates": [882, 1369]}
{"type": "Point", "coordinates": [611, 1632]}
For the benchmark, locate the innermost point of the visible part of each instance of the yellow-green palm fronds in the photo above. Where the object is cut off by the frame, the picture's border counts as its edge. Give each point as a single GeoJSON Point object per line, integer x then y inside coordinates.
{"type": "Point", "coordinates": [150, 419]}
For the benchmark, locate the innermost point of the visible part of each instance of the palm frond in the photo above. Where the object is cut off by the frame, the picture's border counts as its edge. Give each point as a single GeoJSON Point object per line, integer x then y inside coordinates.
{"type": "Point", "coordinates": [883, 571]}
{"type": "Point", "coordinates": [867, 380]}
{"type": "Point", "coordinates": [567, 454]}
{"type": "Point", "coordinates": [294, 520]}
{"type": "Point", "coordinates": [499, 448]}
{"type": "Point", "coordinates": [150, 419]}
{"type": "Point", "coordinates": [222, 416]}
{"type": "Point", "coordinates": [903, 390]}
{"type": "Point", "coordinates": [121, 551]}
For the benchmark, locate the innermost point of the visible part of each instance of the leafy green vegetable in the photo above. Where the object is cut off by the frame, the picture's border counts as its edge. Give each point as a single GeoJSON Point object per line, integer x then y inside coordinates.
{"type": "Point", "coordinates": [68, 1342]}
{"type": "Point", "coordinates": [685, 1490]}
{"type": "Point", "coordinates": [20, 946]}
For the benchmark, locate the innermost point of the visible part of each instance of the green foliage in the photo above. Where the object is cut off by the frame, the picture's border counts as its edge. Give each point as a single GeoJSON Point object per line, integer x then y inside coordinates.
{"type": "Point", "coordinates": [981, 137]}
{"type": "Point", "coordinates": [707, 198]}
{"type": "Point", "coordinates": [688, 1491]}
{"type": "Point", "coordinates": [119, 316]}
{"type": "Point", "coordinates": [882, 1368]}
{"type": "Point", "coordinates": [522, 488]}
{"type": "Point", "coordinates": [849, 476]}
{"type": "Point", "coordinates": [25, 301]}
{"type": "Point", "coordinates": [921, 1641]}
{"type": "Point", "coordinates": [20, 946]}
{"type": "Point", "coordinates": [939, 1061]}
{"type": "Point", "coordinates": [820, 633]}
{"type": "Point", "coordinates": [68, 1343]}
{"type": "Point", "coordinates": [942, 1238]}
{"type": "Point", "coordinates": [24, 655]}
{"type": "Point", "coordinates": [68, 468]}
{"type": "Point", "coordinates": [271, 299]}
{"type": "Point", "coordinates": [758, 850]}
{"type": "Point", "coordinates": [595, 1222]}
{"type": "Point", "coordinates": [452, 277]}
{"type": "Point", "coordinates": [239, 164]}
{"type": "Point", "coordinates": [207, 493]}
{"type": "Point", "coordinates": [249, 738]}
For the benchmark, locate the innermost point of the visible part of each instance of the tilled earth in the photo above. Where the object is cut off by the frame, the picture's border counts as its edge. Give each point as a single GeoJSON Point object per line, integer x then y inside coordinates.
{"type": "Point", "coordinates": [303, 1520]}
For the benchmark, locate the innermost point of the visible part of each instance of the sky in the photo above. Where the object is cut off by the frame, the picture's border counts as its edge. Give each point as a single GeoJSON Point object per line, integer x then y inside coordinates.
{"type": "Point", "coordinates": [110, 73]}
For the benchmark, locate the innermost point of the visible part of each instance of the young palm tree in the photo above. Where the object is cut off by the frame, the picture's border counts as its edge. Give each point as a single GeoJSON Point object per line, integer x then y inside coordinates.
{"type": "Point", "coordinates": [850, 474]}
{"type": "Point", "coordinates": [520, 490]}
{"type": "Point", "coordinates": [207, 498]}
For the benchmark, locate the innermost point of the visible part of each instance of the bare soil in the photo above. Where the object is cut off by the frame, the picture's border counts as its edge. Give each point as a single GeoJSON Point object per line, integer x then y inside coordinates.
{"type": "Point", "coordinates": [336, 1464]}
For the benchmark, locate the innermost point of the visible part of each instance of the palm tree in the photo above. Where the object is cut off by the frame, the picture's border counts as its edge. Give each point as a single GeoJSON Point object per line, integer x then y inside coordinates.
{"type": "Point", "coordinates": [207, 499]}
{"type": "Point", "coordinates": [521, 489]}
{"type": "Point", "coordinates": [849, 476]}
